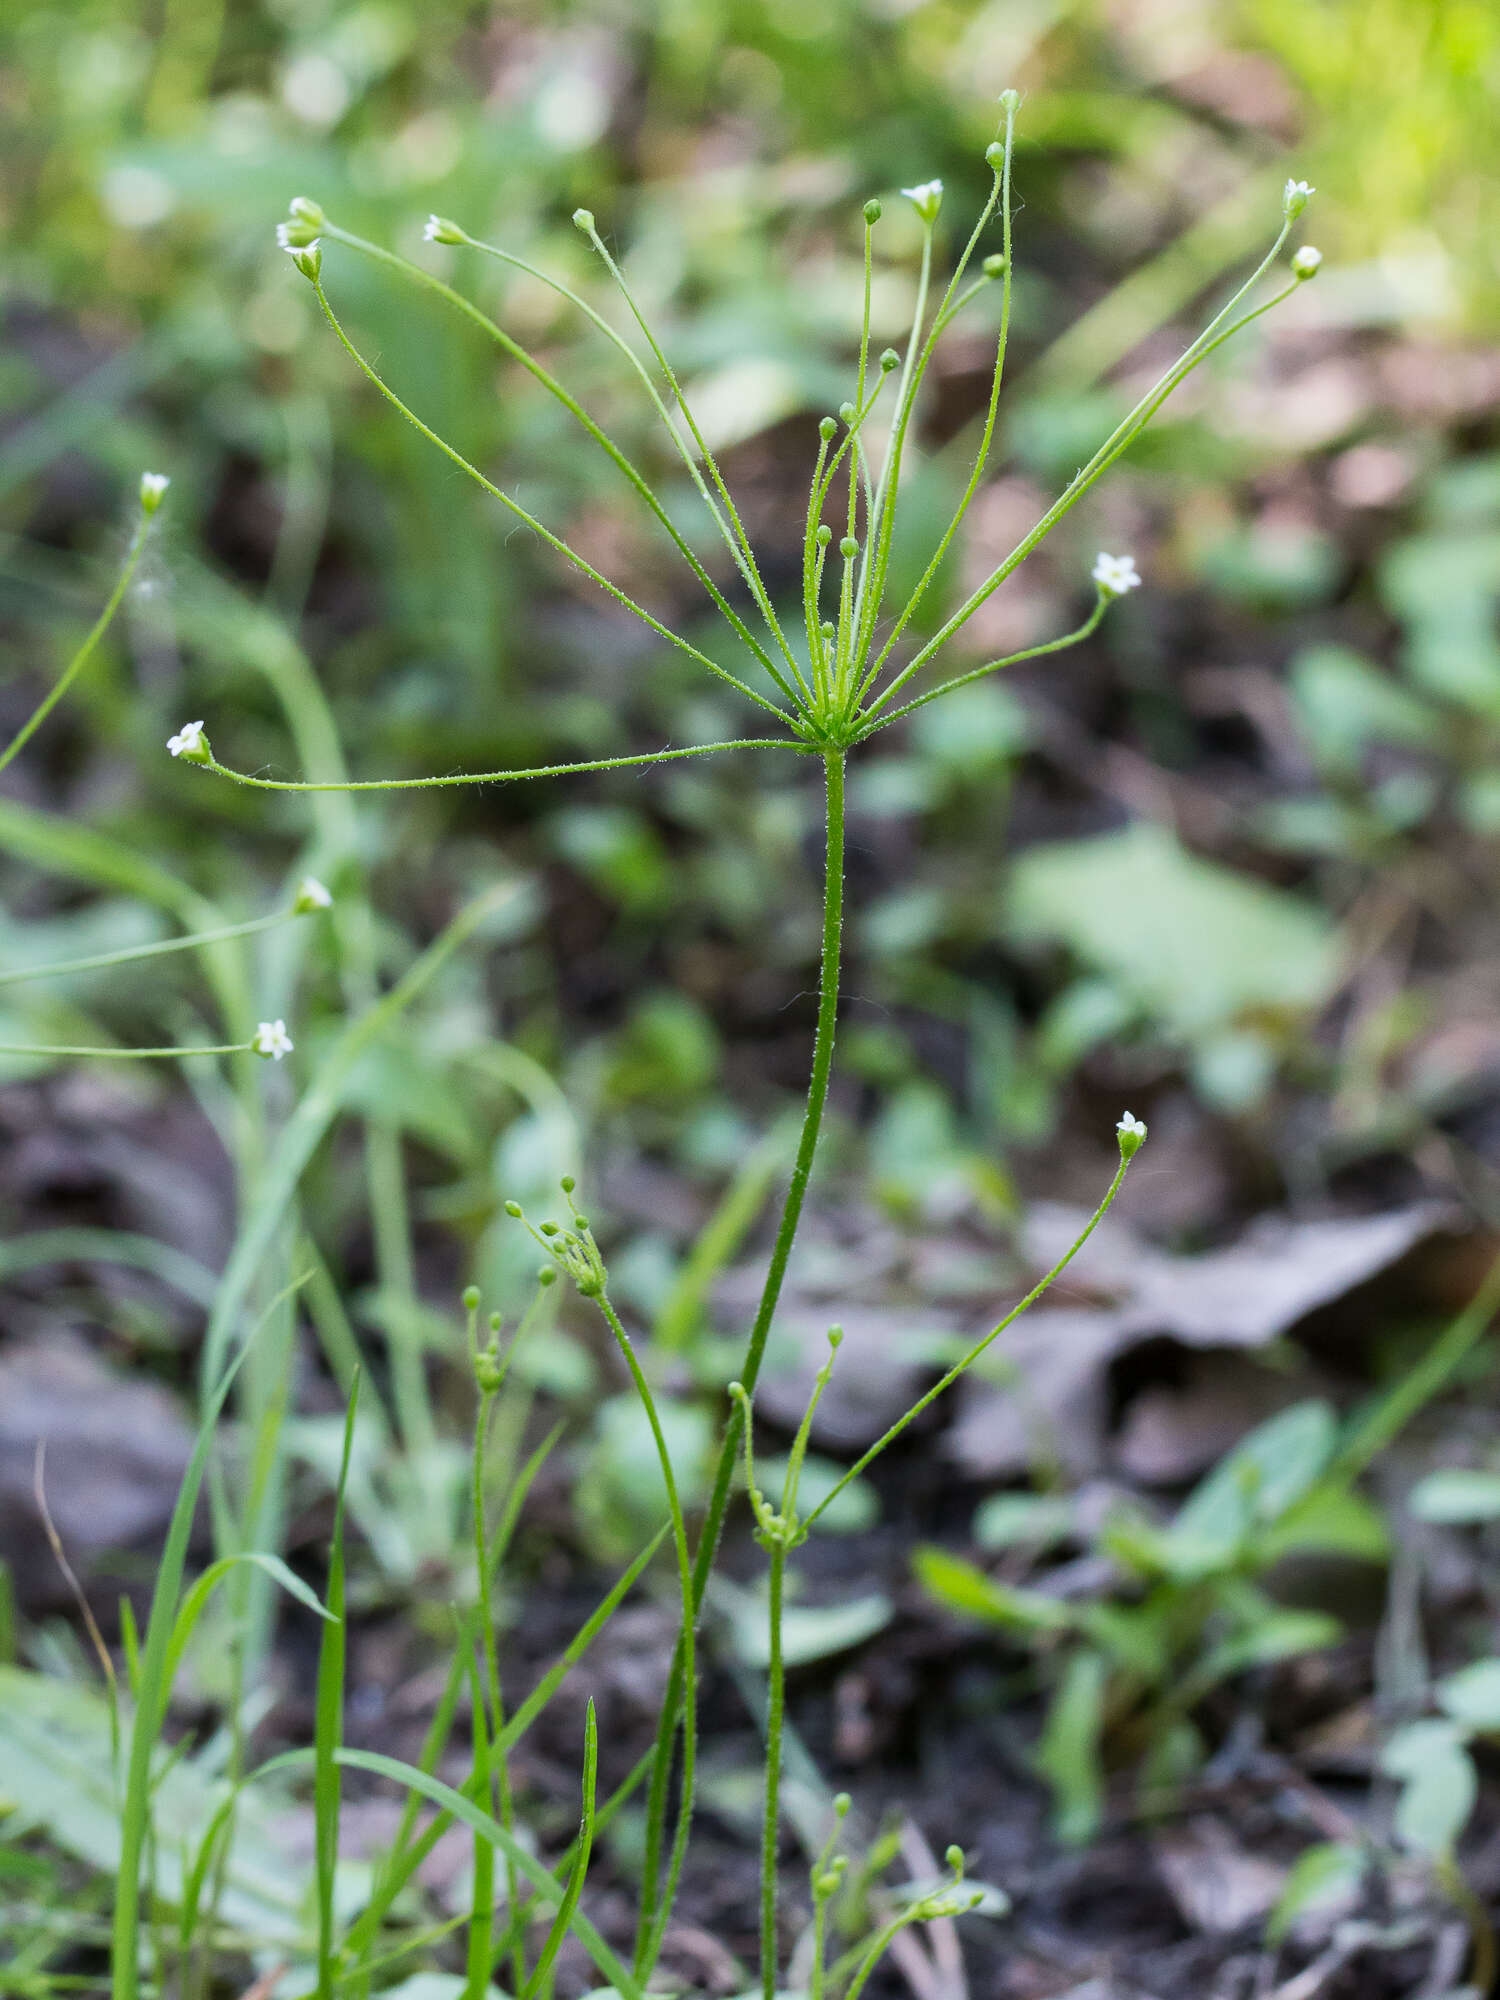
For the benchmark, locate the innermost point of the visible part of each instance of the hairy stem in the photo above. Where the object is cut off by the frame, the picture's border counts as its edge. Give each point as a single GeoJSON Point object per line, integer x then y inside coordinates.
{"type": "Point", "coordinates": [653, 1920]}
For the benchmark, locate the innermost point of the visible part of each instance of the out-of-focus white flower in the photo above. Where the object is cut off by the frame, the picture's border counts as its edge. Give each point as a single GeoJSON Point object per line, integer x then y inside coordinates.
{"type": "Point", "coordinates": [926, 199]}
{"type": "Point", "coordinates": [190, 742]}
{"type": "Point", "coordinates": [153, 489]}
{"type": "Point", "coordinates": [271, 1039]}
{"type": "Point", "coordinates": [438, 229]}
{"type": "Point", "coordinates": [1115, 574]}
{"type": "Point", "coordinates": [311, 895]}
{"type": "Point", "coordinates": [1131, 1132]}
{"type": "Point", "coordinates": [1306, 262]}
{"type": "Point", "coordinates": [1294, 198]}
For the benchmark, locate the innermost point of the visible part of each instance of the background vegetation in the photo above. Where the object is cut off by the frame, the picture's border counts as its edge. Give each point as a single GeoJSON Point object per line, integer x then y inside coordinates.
{"type": "Point", "coordinates": [1232, 864]}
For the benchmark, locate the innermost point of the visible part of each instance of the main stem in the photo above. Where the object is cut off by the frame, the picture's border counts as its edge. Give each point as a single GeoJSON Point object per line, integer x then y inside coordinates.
{"type": "Point", "coordinates": [654, 1920]}
{"type": "Point", "coordinates": [771, 1819]}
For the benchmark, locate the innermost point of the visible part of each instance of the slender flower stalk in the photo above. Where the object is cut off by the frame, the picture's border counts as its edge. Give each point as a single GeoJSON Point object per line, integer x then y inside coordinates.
{"type": "Point", "coordinates": [153, 489]}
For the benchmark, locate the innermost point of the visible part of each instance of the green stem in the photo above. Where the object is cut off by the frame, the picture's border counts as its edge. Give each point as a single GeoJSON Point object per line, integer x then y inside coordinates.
{"type": "Point", "coordinates": [521, 513]}
{"type": "Point", "coordinates": [509, 345]}
{"type": "Point", "coordinates": [494, 777]}
{"type": "Point", "coordinates": [968, 1360]}
{"type": "Point", "coordinates": [96, 961]}
{"type": "Point", "coordinates": [771, 1817]}
{"type": "Point", "coordinates": [651, 1942]}
{"type": "Point", "coordinates": [124, 1055]}
{"type": "Point", "coordinates": [1119, 441]}
{"type": "Point", "coordinates": [873, 720]}
{"type": "Point", "coordinates": [653, 1921]}
{"type": "Point", "coordinates": [85, 652]}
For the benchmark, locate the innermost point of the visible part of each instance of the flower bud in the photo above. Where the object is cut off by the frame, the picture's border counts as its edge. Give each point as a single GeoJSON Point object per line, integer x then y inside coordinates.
{"type": "Point", "coordinates": [1294, 198]}
{"type": "Point", "coordinates": [438, 229]}
{"type": "Point", "coordinates": [848, 548]}
{"type": "Point", "coordinates": [826, 429]}
{"type": "Point", "coordinates": [889, 359]}
{"type": "Point", "coordinates": [846, 412]}
{"type": "Point", "coordinates": [309, 260]}
{"type": "Point", "coordinates": [955, 1858]}
{"type": "Point", "coordinates": [471, 1298]}
{"type": "Point", "coordinates": [825, 534]}
{"type": "Point", "coordinates": [513, 1208]}
{"type": "Point", "coordinates": [153, 489]}
{"type": "Point", "coordinates": [994, 153]}
{"type": "Point", "coordinates": [873, 212]}
{"type": "Point", "coordinates": [994, 265]}
{"type": "Point", "coordinates": [303, 208]}
{"type": "Point", "coordinates": [583, 218]}
{"type": "Point", "coordinates": [1306, 263]}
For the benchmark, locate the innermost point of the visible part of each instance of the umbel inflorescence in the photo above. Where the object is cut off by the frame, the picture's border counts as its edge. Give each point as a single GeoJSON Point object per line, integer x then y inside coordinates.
{"type": "Point", "coordinates": [842, 664]}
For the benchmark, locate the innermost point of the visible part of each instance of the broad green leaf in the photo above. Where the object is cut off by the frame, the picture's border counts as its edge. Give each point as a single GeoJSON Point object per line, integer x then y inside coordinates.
{"type": "Point", "coordinates": [1197, 946]}
{"type": "Point", "coordinates": [1036, 1520]}
{"type": "Point", "coordinates": [1068, 1755]}
{"type": "Point", "coordinates": [1263, 1476]}
{"type": "Point", "coordinates": [1330, 1873]}
{"type": "Point", "coordinates": [1331, 1519]}
{"type": "Point", "coordinates": [1279, 1636]}
{"type": "Point", "coordinates": [56, 1775]}
{"type": "Point", "coordinates": [1439, 1785]}
{"type": "Point", "coordinates": [1456, 1496]}
{"type": "Point", "coordinates": [1472, 1695]}
{"type": "Point", "coordinates": [963, 1587]}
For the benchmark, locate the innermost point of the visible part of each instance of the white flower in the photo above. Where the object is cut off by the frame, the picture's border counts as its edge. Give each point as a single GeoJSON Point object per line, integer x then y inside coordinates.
{"type": "Point", "coordinates": [153, 489]}
{"type": "Point", "coordinates": [308, 257]}
{"type": "Point", "coordinates": [1306, 262]}
{"type": "Point", "coordinates": [1294, 198]}
{"type": "Point", "coordinates": [271, 1039]}
{"type": "Point", "coordinates": [926, 199]}
{"type": "Point", "coordinates": [438, 229]}
{"type": "Point", "coordinates": [1131, 1132]}
{"type": "Point", "coordinates": [190, 742]}
{"type": "Point", "coordinates": [311, 895]}
{"type": "Point", "coordinates": [1115, 574]}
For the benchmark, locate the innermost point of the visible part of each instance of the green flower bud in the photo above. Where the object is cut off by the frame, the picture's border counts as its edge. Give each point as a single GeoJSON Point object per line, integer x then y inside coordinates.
{"type": "Point", "coordinates": [826, 429]}
{"type": "Point", "coordinates": [994, 265]}
{"type": "Point", "coordinates": [583, 218]}
{"type": "Point", "coordinates": [471, 1298]}
{"type": "Point", "coordinates": [889, 359]}
{"type": "Point", "coordinates": [848, 548]}
{"type": "Point", "coordinates": [873, 212]}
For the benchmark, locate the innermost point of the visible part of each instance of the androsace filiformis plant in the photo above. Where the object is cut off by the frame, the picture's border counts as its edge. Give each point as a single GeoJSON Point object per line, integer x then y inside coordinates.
{"type": "Point", "coordinates": [830, 673]}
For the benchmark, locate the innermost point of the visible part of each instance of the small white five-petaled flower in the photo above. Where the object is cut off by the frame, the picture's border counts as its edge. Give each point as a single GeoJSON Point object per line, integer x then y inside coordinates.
{"type": "Point", "coordinates": [1131, 1132]}
{"type": "Point", "coordinates": [1306, 261]}
{"type": "Point", "coordinates": [311, 895]}
{"type": "Point", "coordinates": [271, 1039]}
{"type": "Point", "coordinates": [926, 199]}
{"type": "Point", "coordinates": [190, 742]}
{"type": "Point", "coordinates": [153, 488]}
{"type": "Point", "coordinates": [1115, 574]}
